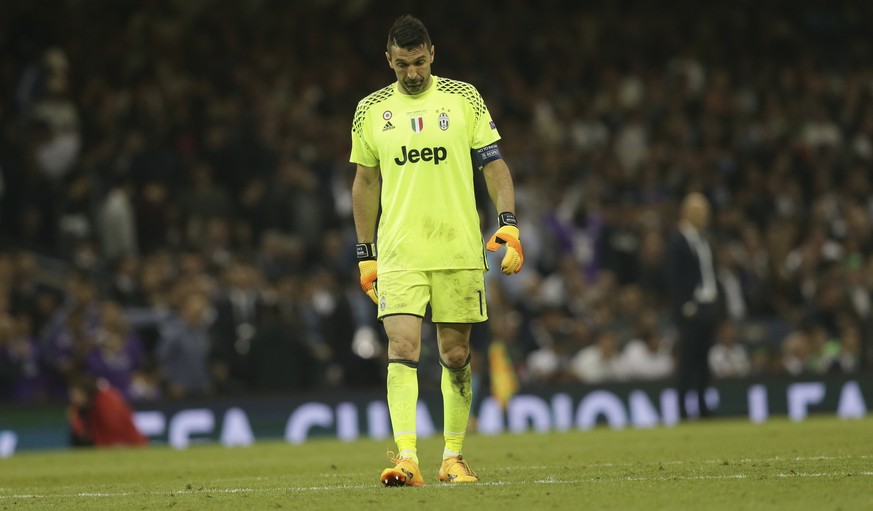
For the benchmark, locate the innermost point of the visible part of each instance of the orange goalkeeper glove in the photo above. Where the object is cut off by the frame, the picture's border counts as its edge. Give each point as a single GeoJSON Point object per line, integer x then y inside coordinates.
{"type": "Point", "coordinates": [507, 235]}
{"type": "Point", "coordinates": [367, 265]}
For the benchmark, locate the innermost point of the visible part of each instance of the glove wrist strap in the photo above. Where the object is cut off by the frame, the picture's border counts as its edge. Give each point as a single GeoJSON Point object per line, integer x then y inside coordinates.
{"type": "Point", "coordinates": [507, 218]}
{"type": "Point", "coordinates": [365, 251]}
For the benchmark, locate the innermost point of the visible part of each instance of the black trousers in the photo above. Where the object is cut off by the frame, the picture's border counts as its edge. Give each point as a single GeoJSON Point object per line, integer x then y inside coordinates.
{"type": "Point", "coordinates": [696, 337]}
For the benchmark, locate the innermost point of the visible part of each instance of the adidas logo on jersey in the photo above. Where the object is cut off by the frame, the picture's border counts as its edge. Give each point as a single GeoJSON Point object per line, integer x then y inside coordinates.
{"type": "Point", "coordinates": [388, 126]}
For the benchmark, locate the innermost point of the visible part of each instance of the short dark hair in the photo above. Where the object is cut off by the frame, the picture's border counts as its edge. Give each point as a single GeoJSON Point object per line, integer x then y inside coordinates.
{"type": "Point", "coordinates": [408, 32]}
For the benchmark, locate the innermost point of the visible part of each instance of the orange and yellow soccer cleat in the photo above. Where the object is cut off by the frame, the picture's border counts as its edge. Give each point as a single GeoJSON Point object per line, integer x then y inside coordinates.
{"type": "Point", "coordinates": [456, 470]}
{"type": "Point", "coordinates": [405, 472]}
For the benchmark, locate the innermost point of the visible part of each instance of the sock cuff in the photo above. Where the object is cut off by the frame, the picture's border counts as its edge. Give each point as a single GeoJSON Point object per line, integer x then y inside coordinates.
{"type": "Point", "coordinates": [448, 453]}
{"type": "Point", "coordinates": [408, 363]}
{"type": "Point", "coordinates": [459, 368]}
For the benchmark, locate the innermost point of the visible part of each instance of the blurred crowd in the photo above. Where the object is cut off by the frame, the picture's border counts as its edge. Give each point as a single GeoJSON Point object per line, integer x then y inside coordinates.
{"type": "Point", "coordinates": [175, 207]}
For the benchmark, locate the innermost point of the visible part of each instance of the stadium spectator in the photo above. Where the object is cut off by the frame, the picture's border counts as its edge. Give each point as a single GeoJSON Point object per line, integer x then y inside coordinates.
{"type": "Point", "coordinates": [646, 356]}
{"type": "Point", "coordinates": [74, 224]}
{"type": "Point", "coordinates": [22, 375]}
{"type": "Point", "coordinates": [555, 345]}
{"type": "Point", "coordinates": [184, 350]}
{"type": "Point", "coordinates": [796, 354]}
{"type": "Point", "coordinates": [56, 115]}
{"type": "Point", "coordinates": [117, 355]}
{"type": "Point", "coordinates": [846, 357]}
{"type": "Point", "coordinates": [237, 321]}
{"type": "Point", "coordinates": [117, 222]}
{"type": "Point", "coordinates": [125, 287]}
{"type": "Point", "coordinates": [600, 362]}
{"type": "Point", "coordinates": [66, 348]}
{"type": "Point", "coordinates": [693, 297]}
{"type": "Point", "coordinates": [99, 416]}
{"type": "Point", "coordinates": [280, 359]}
{"type": "Point", "coordinates": [729, 358]}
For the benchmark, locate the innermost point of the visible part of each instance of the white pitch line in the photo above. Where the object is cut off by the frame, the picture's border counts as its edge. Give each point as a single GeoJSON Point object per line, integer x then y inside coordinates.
{"type": "Point", "coordinates": [821, 474]}
{"type": "Point", "coordinates": [722, 460]}
{"type": "Point", "coordinates": [687, 478]}
{"type": "Point", "coordinates": [548, 480]}
{"type": "Point", "coordinates": [774, 459]}
{"type": "Point", "coordinates": [242, 478]}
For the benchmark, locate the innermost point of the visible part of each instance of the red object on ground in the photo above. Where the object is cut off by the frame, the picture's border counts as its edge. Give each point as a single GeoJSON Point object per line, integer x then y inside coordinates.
{"type": "Point", "coordinates": [108, 421]}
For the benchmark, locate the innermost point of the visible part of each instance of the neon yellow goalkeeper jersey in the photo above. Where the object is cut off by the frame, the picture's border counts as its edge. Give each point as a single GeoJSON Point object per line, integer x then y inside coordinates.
{"type": "Point", "coordinates": [422, 145]}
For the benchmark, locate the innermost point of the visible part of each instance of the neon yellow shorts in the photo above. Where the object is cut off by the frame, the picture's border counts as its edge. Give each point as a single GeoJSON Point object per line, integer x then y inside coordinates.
{"type": "Point", "coordinates": [455, 296]}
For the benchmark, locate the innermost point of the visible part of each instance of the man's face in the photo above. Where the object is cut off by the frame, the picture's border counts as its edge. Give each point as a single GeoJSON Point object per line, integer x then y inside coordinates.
{"type": "Point", "coordinates": [412, 67]}
{"type": "Point", "coordinates": [696, 210]}
{"type": "Point", "coordinates": [699, 215]}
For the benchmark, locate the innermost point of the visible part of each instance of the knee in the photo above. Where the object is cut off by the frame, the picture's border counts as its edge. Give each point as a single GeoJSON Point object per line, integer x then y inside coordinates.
{"type": "Point", "coordinates": [456, 356]}
{"type": "Point", "coordinates": [404, 348]}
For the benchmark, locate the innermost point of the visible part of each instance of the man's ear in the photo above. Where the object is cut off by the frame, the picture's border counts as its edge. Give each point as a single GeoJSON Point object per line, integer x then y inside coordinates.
{"type": "Point", "coordinates": [388, 58]}
{"type": "Point", "coordinates": [432, 53]}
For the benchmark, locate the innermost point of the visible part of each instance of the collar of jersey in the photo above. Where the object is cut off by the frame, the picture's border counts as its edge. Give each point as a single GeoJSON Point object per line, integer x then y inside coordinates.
{"type": "Point", "coordinates": [420, 94]}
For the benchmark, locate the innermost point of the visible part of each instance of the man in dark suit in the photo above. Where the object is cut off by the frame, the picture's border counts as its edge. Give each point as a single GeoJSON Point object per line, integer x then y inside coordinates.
{"type": "Point", "coordinates": [694, 293]}
{"type": "Point", "coordinates": [237, 319]}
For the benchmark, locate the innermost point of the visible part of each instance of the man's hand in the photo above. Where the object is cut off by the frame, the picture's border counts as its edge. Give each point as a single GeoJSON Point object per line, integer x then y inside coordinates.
{"type": "Point", "coordinates": [368, 277]}
{"type": "Point", "coordinates": [366, 253]}
{"type": "Point", "coordinates": [507, 235]}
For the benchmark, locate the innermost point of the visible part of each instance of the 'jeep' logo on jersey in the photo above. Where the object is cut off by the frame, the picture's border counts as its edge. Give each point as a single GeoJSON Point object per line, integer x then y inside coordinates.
{"type": "Point", "coordinates": [437, 154]}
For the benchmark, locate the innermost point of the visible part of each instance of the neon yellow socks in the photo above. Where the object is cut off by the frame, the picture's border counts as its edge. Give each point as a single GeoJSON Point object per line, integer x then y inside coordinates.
{"type": "Point", "coordinates": [402, 401]}
{"type": "Point", "coordinates": [457, 389]}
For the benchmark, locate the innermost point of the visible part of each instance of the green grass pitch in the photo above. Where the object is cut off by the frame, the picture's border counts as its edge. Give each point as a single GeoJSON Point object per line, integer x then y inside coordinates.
{"type": "Point", "coordinates": [819, 464]}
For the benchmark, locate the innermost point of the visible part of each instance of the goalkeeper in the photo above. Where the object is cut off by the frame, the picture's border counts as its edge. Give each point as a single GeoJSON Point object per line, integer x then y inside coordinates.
{"type": "Point", "coordinates": [416, 144]}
